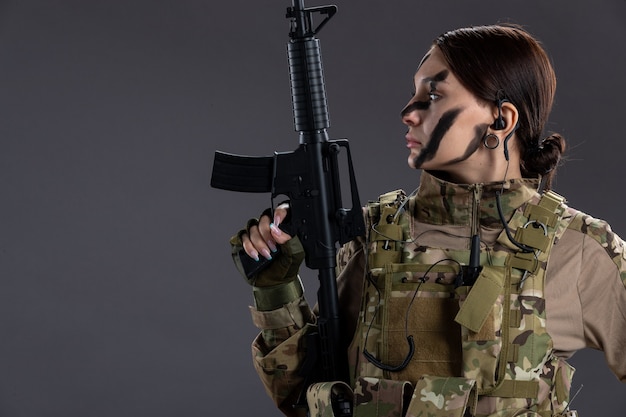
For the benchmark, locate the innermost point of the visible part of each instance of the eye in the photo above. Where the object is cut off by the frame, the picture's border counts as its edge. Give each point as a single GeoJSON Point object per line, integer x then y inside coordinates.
{"type": "Point", "coordinates": [432, 96]}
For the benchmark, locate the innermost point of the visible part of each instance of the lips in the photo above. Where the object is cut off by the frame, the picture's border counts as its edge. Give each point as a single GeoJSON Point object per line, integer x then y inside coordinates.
{"type": "Point", "coordinates": [411, 142]}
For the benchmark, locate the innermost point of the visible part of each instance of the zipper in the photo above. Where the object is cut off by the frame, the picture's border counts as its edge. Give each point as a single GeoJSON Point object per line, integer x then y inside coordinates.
{"type": "Point", "coordinates": [477, 192]}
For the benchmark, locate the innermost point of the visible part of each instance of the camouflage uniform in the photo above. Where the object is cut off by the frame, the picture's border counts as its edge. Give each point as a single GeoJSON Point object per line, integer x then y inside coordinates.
{"type": "Point", "coordinates": [531, 323]}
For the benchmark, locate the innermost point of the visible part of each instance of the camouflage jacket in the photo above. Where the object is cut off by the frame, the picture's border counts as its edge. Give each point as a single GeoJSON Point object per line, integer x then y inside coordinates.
{"type": "Point", "coordinates": [587, 264]}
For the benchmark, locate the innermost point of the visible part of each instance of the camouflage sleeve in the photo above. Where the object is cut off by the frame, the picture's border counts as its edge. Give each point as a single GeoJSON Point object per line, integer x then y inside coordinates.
{"type": "Point", "coordinates": [278, 351]}
{"type": "Point", "coordinates": [282, 314]}
{"type": "Point", "coordinates": [602, 290]}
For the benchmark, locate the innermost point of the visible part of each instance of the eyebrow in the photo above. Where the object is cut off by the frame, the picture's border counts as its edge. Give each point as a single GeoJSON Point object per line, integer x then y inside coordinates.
{"type": "Point", "coordinates": [440, 76]}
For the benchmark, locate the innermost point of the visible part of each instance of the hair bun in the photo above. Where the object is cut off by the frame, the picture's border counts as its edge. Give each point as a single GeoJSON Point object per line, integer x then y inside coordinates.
{"type": "Point", "coordinates": [542, 159]}
{"type": "Point", "coordinates": [554, 142]}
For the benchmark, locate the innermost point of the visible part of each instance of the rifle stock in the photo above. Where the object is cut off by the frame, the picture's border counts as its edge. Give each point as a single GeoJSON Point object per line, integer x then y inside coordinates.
{"type": "Point", "coordinates": [309, 176]}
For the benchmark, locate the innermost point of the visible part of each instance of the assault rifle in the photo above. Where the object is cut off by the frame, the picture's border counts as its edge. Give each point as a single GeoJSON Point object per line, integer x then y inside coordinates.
{"type": "Point", "coordinates": [310, 177]}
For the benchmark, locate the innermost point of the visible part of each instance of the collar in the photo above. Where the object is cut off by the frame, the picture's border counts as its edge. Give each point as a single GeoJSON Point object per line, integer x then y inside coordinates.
{"type": "Point", "coordinates": [441, 202]}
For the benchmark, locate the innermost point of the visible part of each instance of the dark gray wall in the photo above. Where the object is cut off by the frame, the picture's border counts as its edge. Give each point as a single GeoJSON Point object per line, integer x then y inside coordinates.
{"type": "Point", "coordinates": [117, 294]}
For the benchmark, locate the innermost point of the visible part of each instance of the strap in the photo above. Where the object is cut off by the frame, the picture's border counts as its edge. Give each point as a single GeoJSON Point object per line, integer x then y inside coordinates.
{"type": "Point", "coordinates": [271, 298]}
{"type": "Point", "coordinates": [296, 313]}
{"type": "Point", "coordinates": [537, 228]}
{"type": "Point", "coordinates": [537, 222]}
{"type": "Point", "coordinates": [516, 389]}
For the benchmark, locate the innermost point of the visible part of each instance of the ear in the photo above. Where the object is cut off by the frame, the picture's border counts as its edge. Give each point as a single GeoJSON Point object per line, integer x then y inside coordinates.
{"type": "Point", "coordinates": [507, 117]}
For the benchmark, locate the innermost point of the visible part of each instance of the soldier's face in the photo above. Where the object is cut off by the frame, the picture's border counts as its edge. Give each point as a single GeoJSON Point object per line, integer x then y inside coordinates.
{"type": "Point", "coordinates": [446, 122]}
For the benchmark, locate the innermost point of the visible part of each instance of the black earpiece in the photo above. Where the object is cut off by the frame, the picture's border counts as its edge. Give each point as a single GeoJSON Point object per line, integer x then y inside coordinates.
{"type": "Point", "coordinates": [499, 124]}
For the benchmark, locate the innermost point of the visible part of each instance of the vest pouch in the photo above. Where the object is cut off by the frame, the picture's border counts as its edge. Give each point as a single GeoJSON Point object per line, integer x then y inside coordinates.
{"type": "Point", "coordinates": [419, 301]}
{"type": "Point", "coordinates": [329, 399]}
{"type": "Point", "coordinates": [562, 384]}
{"type": "Point", "coordinates": [374, 397]}
{"type": "Point", "coordinates": [554, 391]}
{"type": "Point", "coordinates": [481, 316]}
{"type": "Point", "coordinates": [441, 397]}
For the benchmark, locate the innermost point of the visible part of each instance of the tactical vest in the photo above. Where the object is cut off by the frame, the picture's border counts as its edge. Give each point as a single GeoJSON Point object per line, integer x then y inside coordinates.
{"type": "Point", "coordinates": [428, 344]}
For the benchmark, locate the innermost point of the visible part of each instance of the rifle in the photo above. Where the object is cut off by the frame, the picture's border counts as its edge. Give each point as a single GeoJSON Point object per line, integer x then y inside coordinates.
{"type": "Point", "coordinates": [309, 177]}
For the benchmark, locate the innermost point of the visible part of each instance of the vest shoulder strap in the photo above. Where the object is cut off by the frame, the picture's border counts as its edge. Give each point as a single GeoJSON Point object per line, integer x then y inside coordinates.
{"type": "Point", "coordinates": [385, 232]}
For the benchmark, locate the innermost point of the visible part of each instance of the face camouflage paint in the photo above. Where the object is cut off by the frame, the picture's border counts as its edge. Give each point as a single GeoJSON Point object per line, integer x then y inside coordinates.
{"type": "Point", "coordinates": [440, 76]}
{"type": "Point", "coordinates": [474, 144]}
{"type": "Point", "coordinates": [444, 124]}
{"type": "Point", "coordinates": [424, 105]}
{"type": "Point", "coordinates": [416, 105]}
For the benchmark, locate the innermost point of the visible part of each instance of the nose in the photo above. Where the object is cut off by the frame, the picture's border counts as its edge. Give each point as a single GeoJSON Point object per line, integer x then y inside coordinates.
{"type": "Point", "coordinates": [410, 116]}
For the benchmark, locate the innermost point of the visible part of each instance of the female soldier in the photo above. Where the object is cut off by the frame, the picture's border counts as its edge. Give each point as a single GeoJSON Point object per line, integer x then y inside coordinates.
{"type": "Point", "coordinates": [472, 292]}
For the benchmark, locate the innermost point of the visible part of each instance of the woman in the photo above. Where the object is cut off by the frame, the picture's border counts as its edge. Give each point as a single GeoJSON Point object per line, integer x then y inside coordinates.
{"type": "Point", "coordinates": [473, 291]}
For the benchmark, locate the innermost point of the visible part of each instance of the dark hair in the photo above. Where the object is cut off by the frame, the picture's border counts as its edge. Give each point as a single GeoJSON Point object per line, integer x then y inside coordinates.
{"type": "Point", "coordinates": [505, 61]}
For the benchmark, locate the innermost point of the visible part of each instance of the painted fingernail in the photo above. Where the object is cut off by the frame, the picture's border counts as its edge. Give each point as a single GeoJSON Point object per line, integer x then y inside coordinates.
{"type": "Point", "coordinates": [272, 246]}
{"type": "Point", "coordinates": [255, 255]}
{"type": "Point", "coordinates": [276, 230]}
{"type": "Point", "coordinates": [266, 254]}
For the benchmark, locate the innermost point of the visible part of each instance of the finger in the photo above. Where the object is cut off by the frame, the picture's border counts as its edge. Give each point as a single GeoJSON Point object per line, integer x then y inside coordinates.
{"type": "Point", "coordinates": [248, 247]}
{"type": "Point", "coordinates": [280, 213]}
{"type": "Point", "coordinates": [266, 233]}
{"type": "Point", "coordinates": [259, 242]}
{"type": "Point", "coordinates": [278, 235]}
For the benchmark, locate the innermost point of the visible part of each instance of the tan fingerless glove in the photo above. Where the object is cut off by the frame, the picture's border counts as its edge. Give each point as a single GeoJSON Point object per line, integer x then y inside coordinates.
{"type": "Point", "coordinates": [278, 283]}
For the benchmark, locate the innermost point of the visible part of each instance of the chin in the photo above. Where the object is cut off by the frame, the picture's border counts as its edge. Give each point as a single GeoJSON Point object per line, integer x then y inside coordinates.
{"type": "Point", "coordinates": [413, 160]}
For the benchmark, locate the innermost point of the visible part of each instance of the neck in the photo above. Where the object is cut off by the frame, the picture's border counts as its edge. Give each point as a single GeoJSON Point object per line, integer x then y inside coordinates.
{"type": "Point", "coordinates": [481, 172]}
{"type": "Point", "coordinates": [486, 166]}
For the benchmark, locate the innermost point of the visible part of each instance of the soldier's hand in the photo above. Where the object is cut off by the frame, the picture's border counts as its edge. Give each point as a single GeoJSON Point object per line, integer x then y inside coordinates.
{"type": "Point", "coordinates": [255, 250]}
{"type": "Point", "coordinates": [263, 236]}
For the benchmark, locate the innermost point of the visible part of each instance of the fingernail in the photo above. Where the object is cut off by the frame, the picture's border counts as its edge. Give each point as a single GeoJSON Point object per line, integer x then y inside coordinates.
{"type": "Point", "coordinates": [272, 246]}
{"type": "Point", "coordinates": [266, 254]}
{"type": "Point", "coordinates": [255, 255]}
{"type": "Point", "coordinates": [276, 230]}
